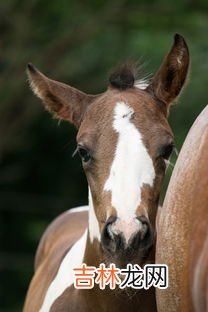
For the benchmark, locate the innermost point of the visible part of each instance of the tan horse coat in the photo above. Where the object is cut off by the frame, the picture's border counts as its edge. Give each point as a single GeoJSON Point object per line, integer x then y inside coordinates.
{"type": "Point", "coordinates": [182, 231]}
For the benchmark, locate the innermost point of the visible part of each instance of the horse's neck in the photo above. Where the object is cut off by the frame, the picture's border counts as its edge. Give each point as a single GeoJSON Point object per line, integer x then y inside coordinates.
{"type": "Point", "coordinates": [92, 255]}
{"type": "Point", "coordinates": [115, 300]}
{"type": "Point", "coordinates": [93, 225]}
{"type": "Point", "coordinates": [93, 252]}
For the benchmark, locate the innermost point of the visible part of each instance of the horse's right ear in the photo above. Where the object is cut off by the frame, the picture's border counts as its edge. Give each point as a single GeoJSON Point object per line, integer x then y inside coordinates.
{"type": "Point", "coordinates": [170, 78]}
{"type": "Point", "coordinates": [63, 101]}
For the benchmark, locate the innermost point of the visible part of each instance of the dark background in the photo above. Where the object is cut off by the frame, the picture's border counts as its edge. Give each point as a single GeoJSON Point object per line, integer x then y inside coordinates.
{"type": "Point", "coordinates": [77, 42]}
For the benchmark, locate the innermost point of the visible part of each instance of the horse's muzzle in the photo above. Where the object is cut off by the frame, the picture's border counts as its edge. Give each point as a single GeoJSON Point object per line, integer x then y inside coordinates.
{"type": "Point", "coordinates": [127, 238]}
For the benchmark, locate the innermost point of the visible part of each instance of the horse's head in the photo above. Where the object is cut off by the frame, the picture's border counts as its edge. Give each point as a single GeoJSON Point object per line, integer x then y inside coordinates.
{"type": "Point", "coordinates": [124, 141]}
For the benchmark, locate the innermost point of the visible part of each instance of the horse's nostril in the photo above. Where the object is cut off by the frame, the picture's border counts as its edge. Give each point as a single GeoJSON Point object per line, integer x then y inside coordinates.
{"type": "Point", "coordinates": [144, 230]}
{"type": "Point", "coordinates": [146, 233]}
{"type": "Point", "coordinates": [108, 238]}
{"type": "Point", "coordinates": [108, 227]}
{"type": "Point", "coordinates": [116, 238]}
{"type": "Point", "coordinates": [145, 226]}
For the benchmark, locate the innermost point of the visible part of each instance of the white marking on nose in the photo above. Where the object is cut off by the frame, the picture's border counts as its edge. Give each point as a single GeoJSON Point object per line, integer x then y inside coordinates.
{"type": "Point", "coordinates": [94, 230]}
{"type": "Point", "coordinates": [65, 277]}
{"type": "Point", "coordinates": [132, 167]}
{"type": "Point", "coordinates": [127, 228]}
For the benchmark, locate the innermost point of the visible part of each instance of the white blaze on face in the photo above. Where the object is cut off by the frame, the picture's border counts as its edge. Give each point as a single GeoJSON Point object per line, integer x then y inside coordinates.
{"type": "Point", "coordinates": [132, 167]}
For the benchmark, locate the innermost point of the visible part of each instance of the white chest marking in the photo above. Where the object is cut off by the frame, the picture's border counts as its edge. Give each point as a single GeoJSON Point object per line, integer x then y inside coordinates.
{"type": "Point", "coordinates": [131, 167]}
{"type": "Point", "coordinates": [64, 276]}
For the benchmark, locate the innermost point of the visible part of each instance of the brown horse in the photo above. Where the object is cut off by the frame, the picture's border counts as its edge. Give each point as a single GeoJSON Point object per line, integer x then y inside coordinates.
{"type": "Point", "coordinates": [182, 231]}
{"type": "Point", "coordinates": [124, 141]}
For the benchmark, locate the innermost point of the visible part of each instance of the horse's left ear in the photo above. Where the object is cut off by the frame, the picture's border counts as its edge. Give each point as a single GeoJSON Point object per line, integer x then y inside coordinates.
{"type": "Point", "coordinates": [170, 78]}
{"type": "Point", "coordinates": [62, 100]}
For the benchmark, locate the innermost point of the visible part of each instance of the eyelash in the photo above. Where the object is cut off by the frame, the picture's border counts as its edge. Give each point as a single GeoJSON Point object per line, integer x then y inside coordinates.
{"type": "Point", "coordinates": [83, 152]}
{"type": "Point", "coordinates": [166, 151]}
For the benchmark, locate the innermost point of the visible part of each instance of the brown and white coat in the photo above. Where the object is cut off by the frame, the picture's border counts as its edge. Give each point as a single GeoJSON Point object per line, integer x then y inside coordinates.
{"type": "Point", "coordinates": [124, 141]}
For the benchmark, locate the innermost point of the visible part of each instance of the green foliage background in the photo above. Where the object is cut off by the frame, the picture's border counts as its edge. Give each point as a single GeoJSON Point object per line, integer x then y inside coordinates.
{"type": "Point", "coordinates": [77, 42]}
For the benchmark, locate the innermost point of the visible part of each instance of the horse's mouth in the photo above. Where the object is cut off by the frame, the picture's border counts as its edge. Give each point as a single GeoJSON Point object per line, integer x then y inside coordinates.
{"type": "Point", "coordinates": [123, 257]}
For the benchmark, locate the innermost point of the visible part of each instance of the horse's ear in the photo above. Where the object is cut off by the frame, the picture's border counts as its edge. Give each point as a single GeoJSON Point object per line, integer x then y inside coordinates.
{"type": "Point", "coordinates": [170, 78]}
{"type": "Point", "coordinates": [63, 101]}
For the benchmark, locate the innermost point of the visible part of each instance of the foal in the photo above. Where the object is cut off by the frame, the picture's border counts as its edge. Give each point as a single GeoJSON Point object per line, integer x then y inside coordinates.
{"type": "Point", "coordinates": [124, 141]}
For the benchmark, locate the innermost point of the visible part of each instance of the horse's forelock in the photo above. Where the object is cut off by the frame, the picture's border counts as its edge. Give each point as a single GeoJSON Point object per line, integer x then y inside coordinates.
{"type": "Point", "coordinates": [128, 75]}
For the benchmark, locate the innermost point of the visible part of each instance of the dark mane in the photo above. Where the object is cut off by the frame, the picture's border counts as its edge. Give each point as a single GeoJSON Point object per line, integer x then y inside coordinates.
{"type": "Point", "coordinates": [123, 77]}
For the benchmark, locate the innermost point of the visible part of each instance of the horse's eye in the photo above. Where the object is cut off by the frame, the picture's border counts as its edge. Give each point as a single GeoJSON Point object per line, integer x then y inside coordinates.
{"type": "Point", "coordinates": [166, 150]}
{"type": "Point", "coordinates": [84, 153]}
